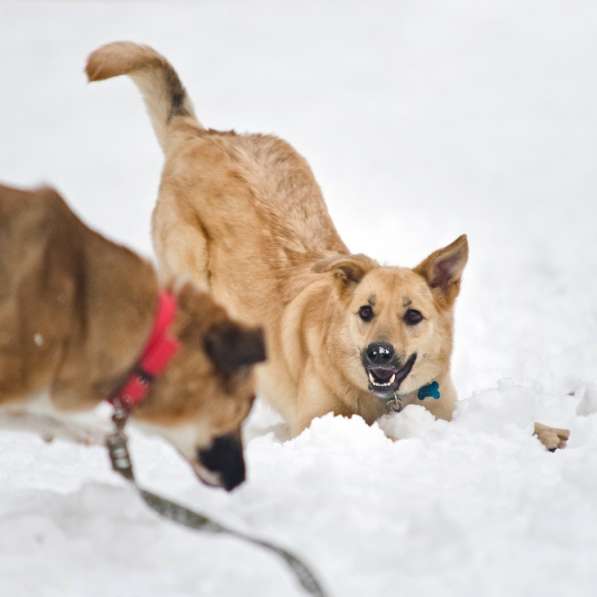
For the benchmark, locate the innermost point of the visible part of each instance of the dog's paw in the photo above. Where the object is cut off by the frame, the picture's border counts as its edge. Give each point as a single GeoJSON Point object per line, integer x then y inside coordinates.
{"type": "Point", "coordinates": [552, 438]}
{"type": "Point", "coordinates": [90, 437]}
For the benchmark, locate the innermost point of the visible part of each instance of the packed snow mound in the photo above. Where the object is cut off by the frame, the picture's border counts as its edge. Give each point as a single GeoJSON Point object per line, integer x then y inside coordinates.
{"type": "Point", "coordinates": [453, 508]}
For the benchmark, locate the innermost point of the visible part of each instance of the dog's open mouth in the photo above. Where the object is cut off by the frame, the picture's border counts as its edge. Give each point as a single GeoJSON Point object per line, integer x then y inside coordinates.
{"type": "Point", "coordinates": [206, 476]}
{"type": "Point", "coordinates": [385, 380]}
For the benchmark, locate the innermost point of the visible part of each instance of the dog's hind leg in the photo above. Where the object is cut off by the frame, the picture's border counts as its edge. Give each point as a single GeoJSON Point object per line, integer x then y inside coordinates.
{"type": "Point", "coordinates": [182, 247]}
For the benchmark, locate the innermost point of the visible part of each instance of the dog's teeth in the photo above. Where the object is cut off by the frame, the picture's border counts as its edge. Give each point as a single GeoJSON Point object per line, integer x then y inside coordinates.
{"type": "Point", "coordinates": [380, 383]}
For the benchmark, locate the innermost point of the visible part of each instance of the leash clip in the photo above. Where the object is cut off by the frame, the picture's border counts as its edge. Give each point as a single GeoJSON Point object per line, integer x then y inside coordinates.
{"type": "Point", "coordinates": [117, 444]}
{"type": "Point", "coordinates": [395, 403]}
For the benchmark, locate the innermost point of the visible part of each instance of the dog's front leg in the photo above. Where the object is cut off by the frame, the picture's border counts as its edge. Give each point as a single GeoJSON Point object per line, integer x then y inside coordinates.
{"type": "Point", "coordinates": [50, 428]}
{"type": "Point", "coordinates": [181, 247]}
{"type": "Point", "coordinates": [77, 433]}
{"type": "Point", "coordinates": [314, 400]}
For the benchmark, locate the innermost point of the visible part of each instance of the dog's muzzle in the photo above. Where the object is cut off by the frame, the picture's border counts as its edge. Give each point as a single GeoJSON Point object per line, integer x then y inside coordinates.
{"type": "Point", "coordinates": [222, 464]}
{"type": "Point", "coordinates": [384, 371]}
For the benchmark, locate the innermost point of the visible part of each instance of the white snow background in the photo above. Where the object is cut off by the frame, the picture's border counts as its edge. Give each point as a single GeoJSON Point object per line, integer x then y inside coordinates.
{"type": "Point", "coordinates": [421, 120]}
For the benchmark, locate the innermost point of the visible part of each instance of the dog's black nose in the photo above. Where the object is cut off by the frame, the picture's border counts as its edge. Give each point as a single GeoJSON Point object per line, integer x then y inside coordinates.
{"type": "Point", "coordinates": [225, 457]}
{"type": "Point", "coordinates": [380, 353]}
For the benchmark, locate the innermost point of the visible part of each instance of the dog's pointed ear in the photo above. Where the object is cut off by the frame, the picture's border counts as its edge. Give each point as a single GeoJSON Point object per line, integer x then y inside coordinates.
{"type": "Point", "coordinates": [348, 269]}
{"type": "Point", "coordinates": [231, 346]}
{"type": "Point", "coordinates": [443, 270]}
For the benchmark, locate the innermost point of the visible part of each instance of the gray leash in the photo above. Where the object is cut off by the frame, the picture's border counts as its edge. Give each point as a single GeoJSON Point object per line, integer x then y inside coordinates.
{"type": "Point", "coordinates": [117, 444]}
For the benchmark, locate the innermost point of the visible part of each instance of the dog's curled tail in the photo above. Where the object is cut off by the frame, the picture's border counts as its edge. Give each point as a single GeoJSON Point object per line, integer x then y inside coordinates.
{"type": "Point", "coordinates": [164, 94]}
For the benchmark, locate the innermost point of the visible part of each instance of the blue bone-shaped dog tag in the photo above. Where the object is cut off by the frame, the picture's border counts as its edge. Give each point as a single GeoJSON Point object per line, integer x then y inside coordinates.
{"type": "Point", "coordinates": [431, 390]}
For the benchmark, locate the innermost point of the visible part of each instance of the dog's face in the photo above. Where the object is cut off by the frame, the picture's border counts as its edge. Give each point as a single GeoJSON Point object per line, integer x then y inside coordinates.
{"type": "Point", "coordinates": [207, 390]}
{"type": "Point", "coordinates": [394, 330]}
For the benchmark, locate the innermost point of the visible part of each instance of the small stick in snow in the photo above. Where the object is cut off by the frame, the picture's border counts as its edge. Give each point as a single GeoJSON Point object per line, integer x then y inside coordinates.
{"type": "Point", "coordinates": [552, 438]}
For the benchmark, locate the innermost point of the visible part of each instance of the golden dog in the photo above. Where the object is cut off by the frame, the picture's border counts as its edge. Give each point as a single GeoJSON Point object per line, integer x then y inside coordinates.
{"type": "Point", "coordinates": [244, 217]}
{"type": "Point", "coordinates": [76, 312]}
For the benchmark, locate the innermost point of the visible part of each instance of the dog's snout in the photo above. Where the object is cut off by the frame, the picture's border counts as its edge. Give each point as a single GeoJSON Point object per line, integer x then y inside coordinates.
{"type": "Point", "coordinates": [225, 457]}
{"type": "Point", "coordinates": [380, 353]}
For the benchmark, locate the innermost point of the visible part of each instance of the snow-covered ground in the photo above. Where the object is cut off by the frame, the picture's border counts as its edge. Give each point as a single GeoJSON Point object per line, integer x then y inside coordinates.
{"type": "Point", "coordinates": [421, 120]}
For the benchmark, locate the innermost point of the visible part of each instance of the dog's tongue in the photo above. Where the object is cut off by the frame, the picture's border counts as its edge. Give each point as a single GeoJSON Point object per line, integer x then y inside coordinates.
{"type": "Point", "coordinates": [383, 375]}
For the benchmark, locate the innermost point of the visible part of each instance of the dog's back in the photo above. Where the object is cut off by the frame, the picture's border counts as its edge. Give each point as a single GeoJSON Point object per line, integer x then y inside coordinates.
{"type": "Point", "coordinates": [27, 220]}
{"type": "Point", "coordinates": [274, 179]}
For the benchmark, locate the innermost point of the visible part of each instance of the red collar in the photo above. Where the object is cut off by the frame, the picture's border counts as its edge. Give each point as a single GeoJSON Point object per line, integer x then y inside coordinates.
{"type": "Point", "coordinates": [156, 355]}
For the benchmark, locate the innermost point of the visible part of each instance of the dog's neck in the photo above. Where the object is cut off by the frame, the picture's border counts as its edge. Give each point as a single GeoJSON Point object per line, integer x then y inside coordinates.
{"type": "Point", "coordinates": [157, 353]}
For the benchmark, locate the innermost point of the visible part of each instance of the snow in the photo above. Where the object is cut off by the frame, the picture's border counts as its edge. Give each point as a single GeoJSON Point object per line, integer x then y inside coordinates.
{"type": "Point", "coordinates": [421, 121]}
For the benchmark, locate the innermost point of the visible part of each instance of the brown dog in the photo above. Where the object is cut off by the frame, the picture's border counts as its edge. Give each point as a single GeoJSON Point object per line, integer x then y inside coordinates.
{"type": "Point", "coordinates": [75, 314]}
{"type": "Point", "coordinates": [244, 217]}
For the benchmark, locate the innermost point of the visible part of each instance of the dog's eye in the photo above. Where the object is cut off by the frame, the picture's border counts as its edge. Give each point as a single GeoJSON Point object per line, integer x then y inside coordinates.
{"type": "Point", "coordinates": [366, 313]}
{"type": "Point", "coordinates": [412, 317]}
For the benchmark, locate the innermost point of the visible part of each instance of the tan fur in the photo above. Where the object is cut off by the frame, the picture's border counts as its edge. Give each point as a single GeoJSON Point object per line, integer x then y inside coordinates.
{"type": "Point", "coordinates": [162, 90]}
{"type": "Point", "coordinates": [244, 216]}
{"type": "Point", "coordinates": [75, 313]}
{"type": "Point", "coordinates": [553, 438]}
